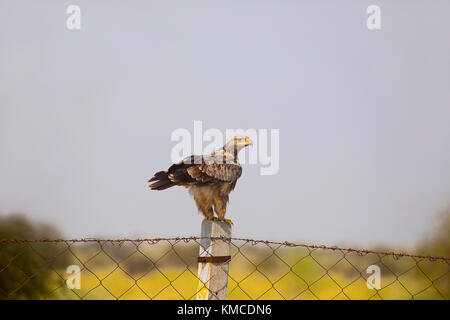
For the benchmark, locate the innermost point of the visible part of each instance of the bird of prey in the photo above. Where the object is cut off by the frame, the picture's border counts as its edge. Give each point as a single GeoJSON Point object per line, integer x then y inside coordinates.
{"type": "Point", "coordinates": [209, 178]}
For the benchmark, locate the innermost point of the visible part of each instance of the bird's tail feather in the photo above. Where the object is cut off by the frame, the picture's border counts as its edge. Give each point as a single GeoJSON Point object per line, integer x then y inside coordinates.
{"type": "Point", "coordinates": [162, 181]}
{"type": "Point", "coordinates": [160, 175]}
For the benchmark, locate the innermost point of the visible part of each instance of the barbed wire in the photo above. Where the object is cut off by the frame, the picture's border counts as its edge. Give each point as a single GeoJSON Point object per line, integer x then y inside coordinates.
{"type": "Point", "coordinates": [166, 268]}
{"type": "Point", "coordinates": [252, 241]}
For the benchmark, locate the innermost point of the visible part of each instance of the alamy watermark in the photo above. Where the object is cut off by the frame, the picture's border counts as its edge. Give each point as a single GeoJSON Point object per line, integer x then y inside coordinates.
{"type": "Point", "coordinates": [264, 151]}
{"type": "Point", "coordinates": [373, 21]}
{"type": "Point", "coordinates": [74, 279]}
{"type": "Point", "coordinates": [374, 280]}
{"type": "Point", "coordinates": [73, 21]}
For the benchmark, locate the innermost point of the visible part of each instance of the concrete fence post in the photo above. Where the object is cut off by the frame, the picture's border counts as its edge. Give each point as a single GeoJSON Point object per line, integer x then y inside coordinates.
{"type": "Point", "coordinates": [213, 260]}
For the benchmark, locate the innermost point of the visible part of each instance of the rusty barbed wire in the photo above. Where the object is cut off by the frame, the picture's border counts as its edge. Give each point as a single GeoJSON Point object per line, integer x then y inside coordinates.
{"type": "Point", "coordinates": [166, 267]}
{"type": "Point", "coordinates": [252, 241]}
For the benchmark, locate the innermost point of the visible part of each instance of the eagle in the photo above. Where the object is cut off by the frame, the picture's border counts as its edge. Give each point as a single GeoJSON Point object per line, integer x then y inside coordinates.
{"type": "Point", "coordinates": [209, 178]}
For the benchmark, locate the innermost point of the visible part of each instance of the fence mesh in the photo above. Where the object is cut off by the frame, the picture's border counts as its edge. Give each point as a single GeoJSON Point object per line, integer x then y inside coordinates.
{"type": "Point", "coordinates": [166, 268]}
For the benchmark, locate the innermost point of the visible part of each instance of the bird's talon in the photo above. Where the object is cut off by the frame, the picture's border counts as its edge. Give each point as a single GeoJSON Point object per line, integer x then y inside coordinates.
{"type": "Point", "coordinates": [226, 220]}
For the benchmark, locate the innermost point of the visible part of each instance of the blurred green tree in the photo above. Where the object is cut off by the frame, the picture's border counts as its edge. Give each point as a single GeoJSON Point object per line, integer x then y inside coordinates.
{"type": "Point", "coordinates": [26, 269]}
{"type": "Point", "coordinates": [438, 242]}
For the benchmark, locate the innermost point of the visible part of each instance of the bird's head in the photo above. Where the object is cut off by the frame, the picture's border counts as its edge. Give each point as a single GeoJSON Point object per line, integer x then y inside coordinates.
{"type": "Point", "coordinates": [237, 143]}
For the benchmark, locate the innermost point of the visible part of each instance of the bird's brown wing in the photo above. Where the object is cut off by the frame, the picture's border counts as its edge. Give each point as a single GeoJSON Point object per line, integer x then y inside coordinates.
{"type": "Point", "coordinates": [193, 171]}
{"type": "Point", "coordinates": [224, 172]}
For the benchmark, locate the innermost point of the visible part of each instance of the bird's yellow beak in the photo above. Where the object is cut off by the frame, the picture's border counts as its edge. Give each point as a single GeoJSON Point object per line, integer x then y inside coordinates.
{"type": "Point", "coordinates": [248, 142]}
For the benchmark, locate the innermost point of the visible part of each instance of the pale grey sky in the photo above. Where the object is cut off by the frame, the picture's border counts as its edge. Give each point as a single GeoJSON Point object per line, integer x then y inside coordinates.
{"type": "Point", "coordinates": [86, 116]}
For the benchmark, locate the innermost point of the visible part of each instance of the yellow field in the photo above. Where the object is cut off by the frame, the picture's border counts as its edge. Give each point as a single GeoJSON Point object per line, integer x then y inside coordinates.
{"type": "Point", "coordinates": [182, 284]}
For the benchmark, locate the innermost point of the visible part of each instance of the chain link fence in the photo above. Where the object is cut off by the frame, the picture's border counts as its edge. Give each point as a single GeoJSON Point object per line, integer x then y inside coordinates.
{"type": "Point", "coordinates": [166, 268]}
